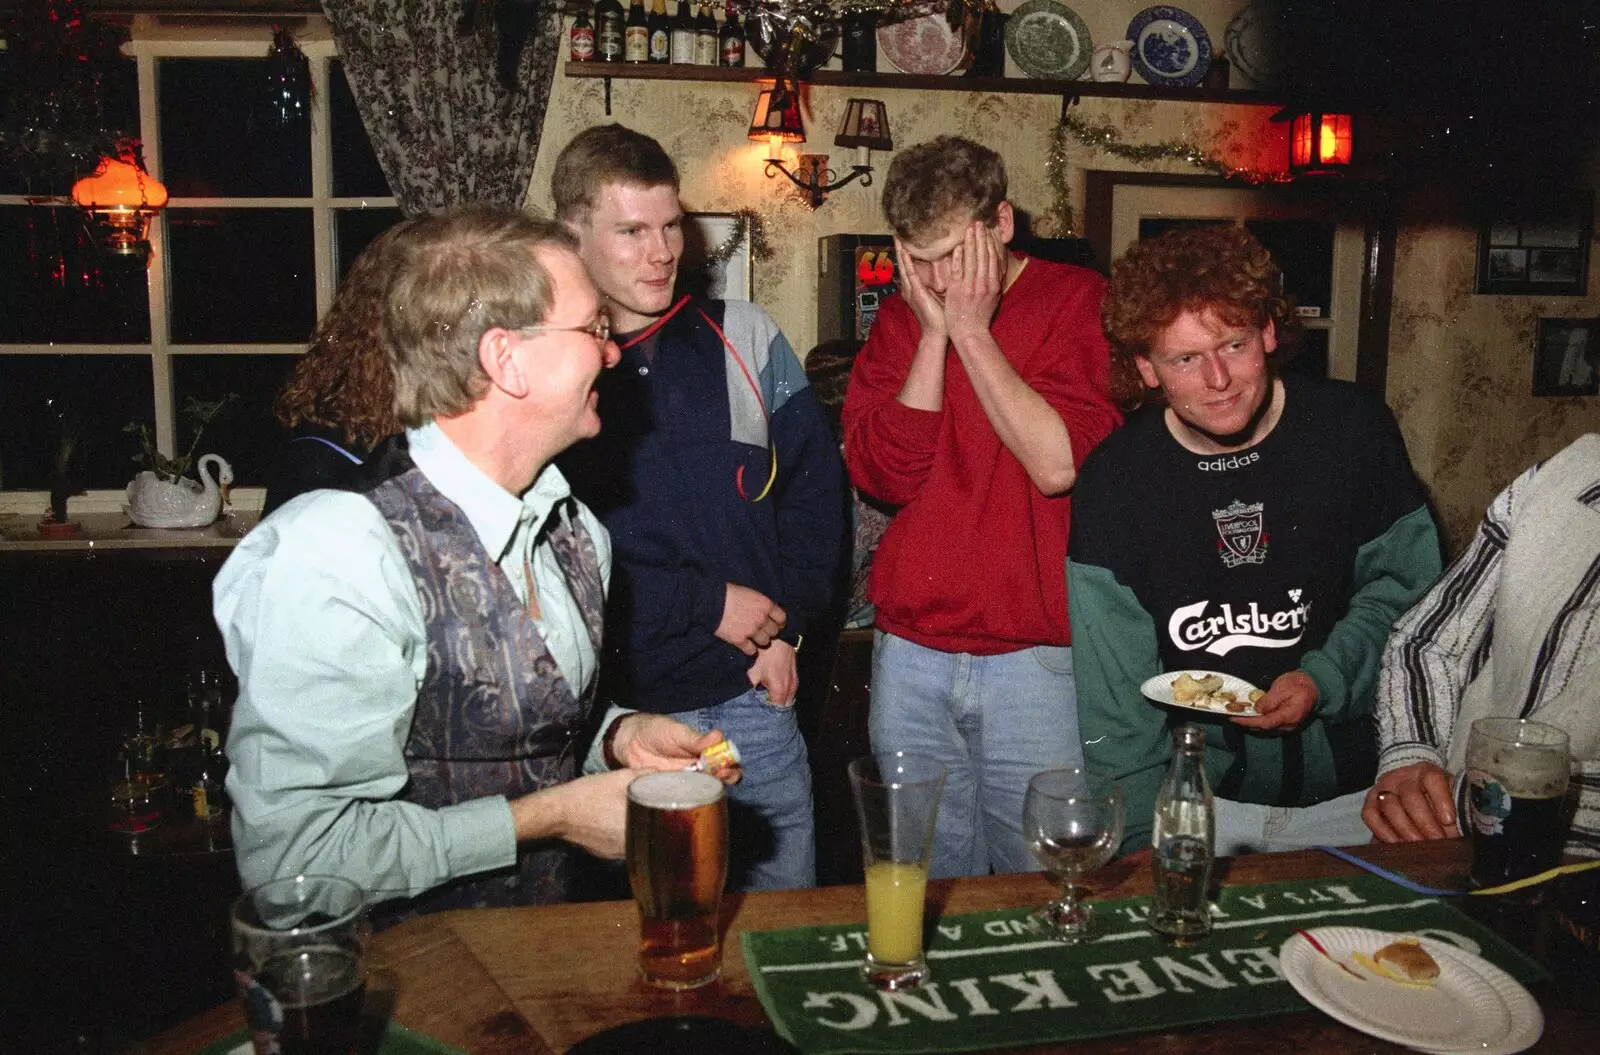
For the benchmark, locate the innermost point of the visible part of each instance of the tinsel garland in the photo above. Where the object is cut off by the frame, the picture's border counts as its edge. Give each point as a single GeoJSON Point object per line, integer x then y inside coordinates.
{"type": "Point", "coordinates": [745, 221]}
{"type": "Point", "coordinates": [1105, 137]}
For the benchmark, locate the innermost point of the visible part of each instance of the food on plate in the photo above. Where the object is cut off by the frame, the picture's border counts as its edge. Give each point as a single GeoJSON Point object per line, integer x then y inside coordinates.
{"type": "Point", "coordinates": [1207, 692]}
{"type": "Point", "coordinates": [1404, 961]}
{"type": "Point", "coordinates": [1186, 687]}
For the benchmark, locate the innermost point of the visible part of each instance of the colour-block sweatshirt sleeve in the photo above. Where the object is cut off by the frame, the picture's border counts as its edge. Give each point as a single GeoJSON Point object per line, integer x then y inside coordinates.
{"type": "Point", "coordinates": [1073, 373]}
{"type": "Point", "coordinates": [1396, 562]}
{"type": "Point", "coordinates": [1114, 649]}
{"type": "Point", "coordinates": [809, 493]}
{"type": "Point", "coordinates": [888, 446]}
{"type": "Point", "coordinates": [1438, 646]}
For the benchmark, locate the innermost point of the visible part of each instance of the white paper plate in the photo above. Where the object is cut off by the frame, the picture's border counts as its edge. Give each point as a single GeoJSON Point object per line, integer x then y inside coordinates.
{"type": "Point", "coordinates": [1159, 688]}
{"type": "Point", "coordinates": [1474, 1006]}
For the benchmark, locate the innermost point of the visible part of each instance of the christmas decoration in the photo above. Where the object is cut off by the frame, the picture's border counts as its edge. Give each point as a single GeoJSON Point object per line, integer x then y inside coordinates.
{"type": "Point", "coordinates": [59, 74]}
{"type": "Point", "coordinates": [745, 221]}
{"type": "Point", "coordinates": [1104, 137]}
{"type": "Point", "coordinates": [288, 78]}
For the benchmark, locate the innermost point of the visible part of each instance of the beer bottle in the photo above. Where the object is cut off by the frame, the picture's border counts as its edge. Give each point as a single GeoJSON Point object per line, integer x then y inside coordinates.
{"type": "Point", "coordinates": [732, 38]}
{"type": "Point", "coordinates": [860, 47]}
{"type": "Point", "coordinates": [582, 36]}
{"type": "Point", "coordinates": [636, 35]}
{"type": "Point", "coordinates": [705, 37]}
{"type": "Point", "coordinates": [660, 32]}
{"type": "Point", "coordinates": [1184, 841]}
{"type": "Point", "coordinates": [608, 23]}
{"type": "Point", "coordinates": [682, 36]}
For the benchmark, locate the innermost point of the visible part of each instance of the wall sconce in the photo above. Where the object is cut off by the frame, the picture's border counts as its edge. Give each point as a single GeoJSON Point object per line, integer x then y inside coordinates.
{"type": "Point", "coordinates": [125, 197]}
{"type": "Point", "coordinates": [1319, 143]}
{"type": "Point", "coordinates": [777, 119]}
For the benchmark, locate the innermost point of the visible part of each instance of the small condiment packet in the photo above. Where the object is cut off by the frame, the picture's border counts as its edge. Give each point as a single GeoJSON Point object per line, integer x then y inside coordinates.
{"type": "Point", "coordinates": [719, 756]}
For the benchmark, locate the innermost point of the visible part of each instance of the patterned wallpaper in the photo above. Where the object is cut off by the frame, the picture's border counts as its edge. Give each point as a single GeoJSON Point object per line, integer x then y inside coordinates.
{"type": "Point", "coordinates": [722, 170]}
{"type": "Point", "coordinates": [1461, 375]}
{"type": "Point", "coordinates": [1459, 365]}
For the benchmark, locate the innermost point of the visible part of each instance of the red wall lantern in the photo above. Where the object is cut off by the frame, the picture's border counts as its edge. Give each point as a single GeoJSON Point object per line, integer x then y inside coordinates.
{"type": "Point", "coordinates": [1319, 143]}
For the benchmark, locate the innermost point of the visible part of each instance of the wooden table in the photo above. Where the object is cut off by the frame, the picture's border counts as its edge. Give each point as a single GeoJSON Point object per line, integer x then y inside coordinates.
{"type": "Point", "coordinates": [541, 979]}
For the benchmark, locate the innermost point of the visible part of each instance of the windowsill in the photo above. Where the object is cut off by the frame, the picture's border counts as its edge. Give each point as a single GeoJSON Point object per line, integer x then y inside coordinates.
{"type": "Point", "coordinates": [114, 531]}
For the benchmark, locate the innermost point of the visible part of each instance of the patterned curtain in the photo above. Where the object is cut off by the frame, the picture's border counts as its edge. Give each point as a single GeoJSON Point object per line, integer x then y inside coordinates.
{"type": "Point", "coordinates": [452, 93]}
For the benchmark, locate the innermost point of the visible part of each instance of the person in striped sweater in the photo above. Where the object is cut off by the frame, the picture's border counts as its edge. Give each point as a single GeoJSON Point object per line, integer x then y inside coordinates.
{"type": "Point", "coordinates": [1512, 629]}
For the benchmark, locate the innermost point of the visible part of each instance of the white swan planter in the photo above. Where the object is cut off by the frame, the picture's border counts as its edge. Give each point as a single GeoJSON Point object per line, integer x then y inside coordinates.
{"type": "Point", "coordinates": [157, 503]}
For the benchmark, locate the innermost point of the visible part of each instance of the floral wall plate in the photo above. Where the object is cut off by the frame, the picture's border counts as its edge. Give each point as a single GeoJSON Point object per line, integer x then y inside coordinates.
{"type": "Point", "coordinates": [927, 44]}
{"type": "Point", "coordinates": [1048, 40]}
{"type": "Point", "coordinates": [1170, 46]}
{"type": "Point", "coordinates": [1256, 40]}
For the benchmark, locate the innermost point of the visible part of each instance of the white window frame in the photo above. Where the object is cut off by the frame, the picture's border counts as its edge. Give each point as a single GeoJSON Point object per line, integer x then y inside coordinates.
{"type": "Point", "coordinates": [155, 37]}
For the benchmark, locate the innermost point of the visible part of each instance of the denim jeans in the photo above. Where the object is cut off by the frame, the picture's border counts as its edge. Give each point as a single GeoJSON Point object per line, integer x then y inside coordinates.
{"type": "Point", "coordinates": [1246, 828]}
{"type": "Point", "coordinates": [994, 721]}
{"type": "Point", "coordinates": [771, 837]}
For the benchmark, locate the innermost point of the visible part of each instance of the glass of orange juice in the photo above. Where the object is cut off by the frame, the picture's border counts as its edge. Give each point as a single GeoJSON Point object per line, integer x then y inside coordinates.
{"type": "Point", "coordinates": [897, 797]}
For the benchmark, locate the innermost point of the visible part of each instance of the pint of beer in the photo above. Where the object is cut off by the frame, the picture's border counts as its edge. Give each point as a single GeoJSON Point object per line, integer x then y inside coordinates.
{"type": "Point", "coordinates": [1517, 775]}
{"type": "Point", "coordinates": [677, 849]}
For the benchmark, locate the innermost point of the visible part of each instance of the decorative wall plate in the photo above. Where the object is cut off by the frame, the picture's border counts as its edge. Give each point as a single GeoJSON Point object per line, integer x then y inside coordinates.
{"type": "Point", "coordinates": [1170, 46]}
{"type": "Point", "coordinates": [1255, 41]}
{"type": "Point", "coordinates": [928, 45]}
{"type": "Point", "coordinates": [1048, 41]}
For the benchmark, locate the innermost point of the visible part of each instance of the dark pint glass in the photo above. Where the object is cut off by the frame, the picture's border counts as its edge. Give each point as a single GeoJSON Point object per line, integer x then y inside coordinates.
{"type": "Point", "coordinates": [677, 850]}
{"type": "Point", "coordinates": [1517, 776]}
{"type": "Point", "coordinates": [298, 946]}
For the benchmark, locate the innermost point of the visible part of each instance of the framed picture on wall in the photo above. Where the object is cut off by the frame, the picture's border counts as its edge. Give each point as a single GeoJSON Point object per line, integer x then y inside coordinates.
{"type": "Point", "coordinates": [1544, 255]}
{"type": "Point", "coordinates": [715, 263]}
{"type": "Point", "coordinates": [1566, 358]}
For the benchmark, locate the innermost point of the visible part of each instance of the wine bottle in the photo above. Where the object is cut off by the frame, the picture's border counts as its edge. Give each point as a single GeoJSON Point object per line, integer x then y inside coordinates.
{"type": "Point", "coordinates": [636, 35]}
{"type": "Point", "coordinates": [706, 43]}
{"type": "Point", "coordinates": [608, 31]}
{"type": "Point", "coordinates": [681, 36]}
{"type": "Point", "coordinates": [660, 32]}
{"type": "Point", "coordinates": [582, 49]}
{"type": "Point", "coordinates": [732, 38]}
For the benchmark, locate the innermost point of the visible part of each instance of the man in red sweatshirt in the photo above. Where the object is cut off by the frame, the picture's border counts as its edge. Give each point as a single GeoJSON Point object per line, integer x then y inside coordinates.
{"type": "Point", "coordinates": [981, 390]}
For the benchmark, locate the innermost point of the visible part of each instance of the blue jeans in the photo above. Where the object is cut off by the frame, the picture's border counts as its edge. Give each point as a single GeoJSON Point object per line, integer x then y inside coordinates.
{"type": "Point", "coordinates": [771, 837]}
{"type": "Point", "coordinates": [994, 721]}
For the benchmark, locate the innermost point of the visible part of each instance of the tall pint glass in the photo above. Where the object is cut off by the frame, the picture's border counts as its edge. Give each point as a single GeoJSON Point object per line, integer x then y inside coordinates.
{"type": "Point", "coordinates": [677, 850]}
{"type": "Point", "coordinates": [1517, 772]}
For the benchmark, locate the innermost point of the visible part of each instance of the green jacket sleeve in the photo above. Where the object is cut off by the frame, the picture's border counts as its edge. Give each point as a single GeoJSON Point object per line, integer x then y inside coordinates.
{"type": "Point", "coordinates": [1124, 735]}
{"type": "Point", "coordinates": [1391, 573]}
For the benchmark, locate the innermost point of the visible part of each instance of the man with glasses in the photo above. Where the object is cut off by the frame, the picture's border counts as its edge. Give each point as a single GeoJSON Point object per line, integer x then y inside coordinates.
{"type": "Point", "coordinates": [417, 662]}
{"type": "Point", "coordinates": [719, 481]}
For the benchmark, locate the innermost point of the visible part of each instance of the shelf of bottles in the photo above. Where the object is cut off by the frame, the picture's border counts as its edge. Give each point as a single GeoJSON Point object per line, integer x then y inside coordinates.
{"type": "Point", "coordinates": [691, 45]}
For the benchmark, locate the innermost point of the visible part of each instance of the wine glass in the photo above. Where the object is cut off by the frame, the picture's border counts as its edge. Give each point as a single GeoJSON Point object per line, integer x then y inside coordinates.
{"type": "Point", "coordinates": [1074, 825]}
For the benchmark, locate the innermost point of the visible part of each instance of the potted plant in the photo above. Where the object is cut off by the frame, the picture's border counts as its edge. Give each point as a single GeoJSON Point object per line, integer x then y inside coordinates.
{"type": "Point", "coordinates": [162, 494]}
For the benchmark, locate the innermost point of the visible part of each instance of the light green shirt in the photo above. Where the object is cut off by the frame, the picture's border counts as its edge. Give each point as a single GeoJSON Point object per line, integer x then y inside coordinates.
{"type": "Point", "coordinates": [323, 626]}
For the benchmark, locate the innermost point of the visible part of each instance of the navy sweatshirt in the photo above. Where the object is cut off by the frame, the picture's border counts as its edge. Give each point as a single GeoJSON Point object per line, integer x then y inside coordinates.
{"type": "Point", "coordinates": [682, 430]}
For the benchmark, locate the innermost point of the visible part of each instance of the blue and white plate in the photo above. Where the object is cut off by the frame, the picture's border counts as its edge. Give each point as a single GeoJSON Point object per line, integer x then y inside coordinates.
{"type": "Point", "coordinates": [1170, 46]}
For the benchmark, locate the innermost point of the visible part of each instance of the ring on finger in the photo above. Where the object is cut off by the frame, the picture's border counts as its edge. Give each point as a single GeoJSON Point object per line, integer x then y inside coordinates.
{"type": "Point", "coordinates": [1385, 795]}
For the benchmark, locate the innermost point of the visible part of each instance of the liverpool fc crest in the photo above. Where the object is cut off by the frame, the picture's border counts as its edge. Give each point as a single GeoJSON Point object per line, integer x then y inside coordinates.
{"type": "Point", "coordinates": [1242, 539]}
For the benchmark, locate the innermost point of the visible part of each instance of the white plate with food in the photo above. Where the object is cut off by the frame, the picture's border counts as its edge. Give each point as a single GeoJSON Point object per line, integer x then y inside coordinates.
{"type": "Point", "coordinates": [1421, 992]}
{"type": "Point", "coordinates": [1204, 690]}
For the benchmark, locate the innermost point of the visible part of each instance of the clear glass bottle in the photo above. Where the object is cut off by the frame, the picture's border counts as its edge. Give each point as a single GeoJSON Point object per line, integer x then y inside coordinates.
{"type": "Point", "coordinates": [1184, 842]}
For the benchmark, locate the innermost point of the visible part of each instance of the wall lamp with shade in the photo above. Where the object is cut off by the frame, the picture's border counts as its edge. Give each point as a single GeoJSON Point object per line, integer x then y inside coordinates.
{"type": "Point", "coordinates": [123, 196]}
{"type": "Point", "coordinates": [1319, 143]}
{"type": "Point", "coordinates": [777, 120]}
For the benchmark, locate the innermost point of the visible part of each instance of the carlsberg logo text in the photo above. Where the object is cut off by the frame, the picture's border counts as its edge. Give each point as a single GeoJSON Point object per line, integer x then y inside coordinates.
{"type": "Point", "coordinates": [1227, 629]}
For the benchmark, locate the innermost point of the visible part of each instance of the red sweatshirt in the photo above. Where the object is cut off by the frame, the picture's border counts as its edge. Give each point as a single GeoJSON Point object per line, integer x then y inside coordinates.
{"type": "Point", "coordinates": [975, 561]}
